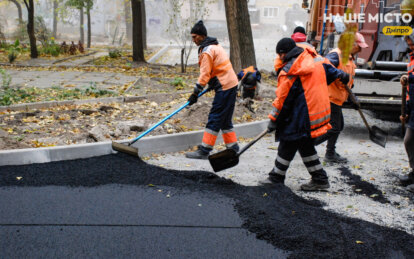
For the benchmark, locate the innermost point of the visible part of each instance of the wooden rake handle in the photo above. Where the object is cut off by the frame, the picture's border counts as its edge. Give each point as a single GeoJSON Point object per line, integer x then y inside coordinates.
{"type": "Point", "coordinates": [253, 142]}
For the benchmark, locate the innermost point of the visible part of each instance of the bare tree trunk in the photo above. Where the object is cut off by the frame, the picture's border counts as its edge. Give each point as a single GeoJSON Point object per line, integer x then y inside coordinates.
{"type": "Point", "coordinates": [55, 18]}
{"type": "Point", "coordinates": [30, 28]}
{"type": "Point", "coordinates": [240, 31]}
{"type": "Point", "coordinates": [81, 26]}
{"type": "Point", "coordinates": [144, 25]}
{"type": "Point", "coordinates": [19, 10]}
{"type": "Point", "coordinates": [247, 53]}
{"type": "Point", "coordinates": [137, 31]}
{"type": "Point", "coordinates": [88, 14]}
{"type": "Point", "coordinates": [128, 19]}
{"type": "Point", "coordinates": [232, 27]}
{"type": "Point", "coordinates": [182, 60]}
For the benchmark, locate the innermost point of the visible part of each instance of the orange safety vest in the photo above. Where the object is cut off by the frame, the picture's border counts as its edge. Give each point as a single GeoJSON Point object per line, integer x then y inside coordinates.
{"type": "Point", "coordinates": [214, 62]}
{"type": "Point", "coordinates": [308, 68]}
{"type": "Point", "coordinates": [337, 92]}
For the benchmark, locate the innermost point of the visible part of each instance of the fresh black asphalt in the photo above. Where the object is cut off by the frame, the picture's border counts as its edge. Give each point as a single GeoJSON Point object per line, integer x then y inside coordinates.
{"type": "Point", "coordinates": [120, 207]}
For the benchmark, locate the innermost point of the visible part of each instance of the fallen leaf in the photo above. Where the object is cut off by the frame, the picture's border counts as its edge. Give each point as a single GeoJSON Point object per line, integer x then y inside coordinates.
{"type": "Point", "coordinates": [265, 195]}
{"type": "Point", "coordinates": [19, 178]}
{"type": "Point", "coordinates": [151, 185]}
{"type": "Point", "coordinates": [359, 242]}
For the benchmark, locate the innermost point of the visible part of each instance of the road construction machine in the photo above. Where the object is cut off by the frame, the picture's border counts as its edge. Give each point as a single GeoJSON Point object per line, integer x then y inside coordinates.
{"type": "Point", "coordinates": [381, 64]}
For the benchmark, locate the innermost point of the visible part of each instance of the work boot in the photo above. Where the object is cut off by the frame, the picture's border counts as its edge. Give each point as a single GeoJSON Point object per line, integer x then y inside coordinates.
{"type": "Point", "coordinates": [235, 148]}
{"type": "Point", "coordinates": [410, 188]}
{"type": "Point", "coordinates": [333, 157]}
{"type": "Point", "coordinates": [407, 179]}
{"type": "Point", "coordinates": [198, 154]}
{"type": "Point", "coordinates": [276, 178]}
{"type": "Point", "coordinates": [315, 186]}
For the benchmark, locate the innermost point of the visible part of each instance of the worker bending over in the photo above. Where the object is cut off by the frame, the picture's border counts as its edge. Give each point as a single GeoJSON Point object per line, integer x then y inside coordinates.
{"type": "Point", "coordinates": [216, 71]}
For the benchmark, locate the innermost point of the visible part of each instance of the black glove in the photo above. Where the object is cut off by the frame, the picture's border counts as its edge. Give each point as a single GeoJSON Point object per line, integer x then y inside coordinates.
{"type": "Point", "coordinates": [345, 78]}
{"type": "Point", "coordinates": [271, 126]}
{"type": "Point", "coordinates": [193, 99]}
{"type": "Point", "coordinates": [194, 96]}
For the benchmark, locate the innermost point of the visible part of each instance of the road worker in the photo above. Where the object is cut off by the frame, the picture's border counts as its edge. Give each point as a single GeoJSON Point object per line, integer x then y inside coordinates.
{"type": "Point", "coordinates": [409, 119]}
{"type": "Point", "coordinates": [216, 71]}
{"type": "Point", "coordinates": [249, 78]}
{"type": "Point", "coordinates": [337, 96]}
{"type": "Point", "coordinates": [299, 36]}
{"type": "Point", "coordinates": [301, 110]}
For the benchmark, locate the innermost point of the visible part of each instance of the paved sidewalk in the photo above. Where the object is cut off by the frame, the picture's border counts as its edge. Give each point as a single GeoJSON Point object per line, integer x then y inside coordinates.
{"type": "Point", "coordinates": [69, 79]}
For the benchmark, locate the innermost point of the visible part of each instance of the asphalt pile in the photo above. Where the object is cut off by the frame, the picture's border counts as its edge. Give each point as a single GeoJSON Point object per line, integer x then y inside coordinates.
{"type": "Point", "coordinates": [273, 212]}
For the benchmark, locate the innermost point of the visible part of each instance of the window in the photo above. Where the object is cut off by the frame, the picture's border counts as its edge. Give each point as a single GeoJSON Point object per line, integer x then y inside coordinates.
{"type": "Point", "coordinates": [270, 12]}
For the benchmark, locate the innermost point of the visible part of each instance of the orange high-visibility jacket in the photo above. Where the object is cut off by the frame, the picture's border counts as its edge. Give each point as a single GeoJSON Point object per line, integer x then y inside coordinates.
{"type": "Point", "coordinates": [278, 64]}
{"type": "Point", "coordinates": [215, 68]}
{"type": "Point", "coordinates": [337, 92]}
{"type": "Point", "coordinates": [302, 107]}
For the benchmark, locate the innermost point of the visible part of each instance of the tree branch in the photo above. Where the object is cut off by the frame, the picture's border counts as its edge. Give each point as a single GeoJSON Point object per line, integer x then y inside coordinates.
{"type": "Point", "coordinates": [26, 4]}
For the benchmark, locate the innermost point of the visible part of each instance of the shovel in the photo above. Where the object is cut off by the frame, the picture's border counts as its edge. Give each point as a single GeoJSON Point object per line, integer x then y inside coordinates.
{"type": "Point", "coordinates": [377, 135]}
{"type": "Point", "coordinates": [229, 157]}
{"type": "Point", "coordinates": [403, 108]}
{"type": "Point", "coordinates": [128, 149]}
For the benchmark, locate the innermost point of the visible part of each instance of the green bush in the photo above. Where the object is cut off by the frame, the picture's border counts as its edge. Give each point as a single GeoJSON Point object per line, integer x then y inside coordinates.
{"type": "Point", "coordinates": [178, 83]}
{"type": "Point", "coordinates": [92, 90]}
{"type": "Point", "coordinates": [51, 48]}
{"type": "Point", "coordinates": [13, 51]}
{"type": "Point", "coordinates": [114, 53]}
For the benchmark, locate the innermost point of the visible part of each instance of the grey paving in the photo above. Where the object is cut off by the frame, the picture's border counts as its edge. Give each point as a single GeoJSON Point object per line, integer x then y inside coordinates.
{"type": "Point", "coordinates": [47, 79]}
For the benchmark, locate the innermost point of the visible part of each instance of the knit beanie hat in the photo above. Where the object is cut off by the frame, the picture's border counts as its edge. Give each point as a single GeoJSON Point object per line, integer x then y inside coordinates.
{"type": "Point", "coordinates": [285, 45]}
{"type": "Point", "coordinates": [299, 29]}
{"type": "Point", "coordinates": [199, 29]}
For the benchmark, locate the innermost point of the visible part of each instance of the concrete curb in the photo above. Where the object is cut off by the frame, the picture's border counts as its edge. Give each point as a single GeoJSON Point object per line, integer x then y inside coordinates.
{"type": "Point", "coordinates": [147, 145]}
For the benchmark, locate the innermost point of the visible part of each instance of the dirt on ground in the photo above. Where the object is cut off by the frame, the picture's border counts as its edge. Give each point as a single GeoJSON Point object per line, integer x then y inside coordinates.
{"type": "Point", "coordinates": [87, 123]}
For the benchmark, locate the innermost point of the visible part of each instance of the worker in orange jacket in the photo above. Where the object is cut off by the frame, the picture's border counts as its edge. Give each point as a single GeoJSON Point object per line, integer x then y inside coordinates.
{"type": "Point", "coordinates": [216, 71]}
{"type": "Point", "coordinates": [337, 96]}
{"type": "Point", "coordinates": [408, 180]}
{"type": "Point", "coordinates": [301, 110]}
{"type": "Point", "coordinates": [299, 36]}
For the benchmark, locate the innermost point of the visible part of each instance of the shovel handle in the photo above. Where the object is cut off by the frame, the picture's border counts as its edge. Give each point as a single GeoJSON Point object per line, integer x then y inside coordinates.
{"type": "Point", "coordinates": [354, 100]}
{"type": "Point", "coordinates": [251, 143]}
{"type": "Point", "coordinates": [403, 106]}
{"type": "Point", "coordinates": [166, 118]}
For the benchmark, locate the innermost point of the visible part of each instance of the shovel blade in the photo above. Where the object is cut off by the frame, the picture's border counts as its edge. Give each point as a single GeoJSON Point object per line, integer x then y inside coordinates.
{"type": "Point", "coordinates": [378, 136]}
{"type": "Point", "coordinates": [223, 160]}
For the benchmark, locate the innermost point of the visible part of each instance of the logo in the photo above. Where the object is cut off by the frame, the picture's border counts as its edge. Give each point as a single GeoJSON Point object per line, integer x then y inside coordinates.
{"type": "Point", "coordinates": [397, 30]}
{"type": "Point", "coordinates": [386, 17]}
